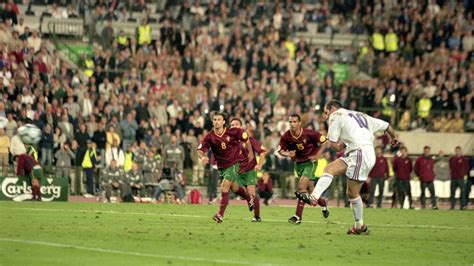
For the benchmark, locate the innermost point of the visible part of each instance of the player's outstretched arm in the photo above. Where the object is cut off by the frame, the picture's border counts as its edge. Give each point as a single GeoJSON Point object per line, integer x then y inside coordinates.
{"type": "Point", "coordinates": [261, 160]}
{"type": "Point", "coordinates": [248, 146]}
{"type": "Point", "coordinates": [321, 150]}
{"type": "Point", "coordinates": [337, 146]}
{"type": "Point", "coordinates": [203, 157]}
{"type": "Point", "coordinates": [393, 136]}
{"type": "Point", "coordinates": [287, 153]}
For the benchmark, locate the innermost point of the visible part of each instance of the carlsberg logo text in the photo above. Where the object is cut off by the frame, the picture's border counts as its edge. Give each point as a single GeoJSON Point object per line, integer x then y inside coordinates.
{"type": "Point", "coordinates": [11, 188]}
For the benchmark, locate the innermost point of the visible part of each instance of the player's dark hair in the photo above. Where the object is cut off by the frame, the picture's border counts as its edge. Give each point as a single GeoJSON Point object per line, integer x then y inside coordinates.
{"type": "Point", "coordinates": [297, 116]}
{"type": "Point", "coordinates": [224, 115]}
{"type": "Point", "coordinates": [236, 119]}
{"type": "Point", "coordinates": [427, 147]}
{"type": "Point", "coordinates": [333, 103]}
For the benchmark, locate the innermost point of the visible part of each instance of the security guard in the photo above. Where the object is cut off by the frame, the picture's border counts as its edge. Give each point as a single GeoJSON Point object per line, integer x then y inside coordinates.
{"type": "Point", "coordinates": [391, 41]}
{"type": "Point", "coordinates": [144, 33]}
{"type": "Point", "coordinates": [378, 41]}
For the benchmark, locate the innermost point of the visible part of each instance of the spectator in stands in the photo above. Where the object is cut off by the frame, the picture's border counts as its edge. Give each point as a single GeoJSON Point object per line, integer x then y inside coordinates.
{"type": "Point", "coordinates": [99, 137]}
{"type": "Point", "coordinates": [55, 12]}
{"type": "Point", "coordinates": [470, 123]}
{"type": "Point", "coordinates": [64, 157]}
{"type": "Point", "coordinates": [66, 127]}
{"type": "Point", "coordinates": [113, 180]}
{"type": "Point", "coordinates": [108, 34]}
{"type": "Point", "coordinates": [114, 153]}
{"type": "Point", "coordinates": [129, 128]}
{"type": "Point", "coordinates": [151, 172]}
{"type": "Point", "coordinates": [4, 150]}
{"type": "Point", "coordinates": [91, 159]}
{"type": "Point", "coordinates": [459, 166]}
{"type": "Point", "coordinates": [457, 124]}
{"type": "Point", "coordinates": [112, 137]}
{"type": "Point", "coordinates": [173, 155]}
{"type": "Point", "coordinates": [135, 180]}
{"type": "Point", "coordinates": [424, 170]}
{"type": "Point", "coordinates": [69, 12]}
{"type": "Point", "coordinates": [378, 175]}
{"type": "Point", "coordinates": [123, 15]}
{"type": "Point", "coordinates": [9, 16]}
{"type": "Point", "coordinates": [265, 187]}
{"type": "Point", "coordinates": [46, 145]}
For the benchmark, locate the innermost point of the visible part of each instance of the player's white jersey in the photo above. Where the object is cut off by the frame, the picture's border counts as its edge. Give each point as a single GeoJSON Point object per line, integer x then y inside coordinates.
{"type": "Point", "coordinates": [355, 129]}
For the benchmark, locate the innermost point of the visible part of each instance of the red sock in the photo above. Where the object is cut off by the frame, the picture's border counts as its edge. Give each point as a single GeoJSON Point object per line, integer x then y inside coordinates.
{"type": "Point", "coordinates": [256, 208]}
{"type": "Point", "coordinates": [299, 208]}
{"type": "Point", "coordinates": [241, 192]}
{"type": "Point", "coordinates": [38, 193]}
{"type": "Point", "coordinates": [224, 202]}
{"type": "Point", "coordinates": [33, 193]}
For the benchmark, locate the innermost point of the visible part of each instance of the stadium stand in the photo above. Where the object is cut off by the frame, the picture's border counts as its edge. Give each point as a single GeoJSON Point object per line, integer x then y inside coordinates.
{"type": "Point", "coordinates": [256, 60]}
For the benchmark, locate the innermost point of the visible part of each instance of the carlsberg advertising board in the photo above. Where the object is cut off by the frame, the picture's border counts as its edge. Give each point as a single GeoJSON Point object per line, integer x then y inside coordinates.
{"type": "Point", "coordinates": [19, 189]}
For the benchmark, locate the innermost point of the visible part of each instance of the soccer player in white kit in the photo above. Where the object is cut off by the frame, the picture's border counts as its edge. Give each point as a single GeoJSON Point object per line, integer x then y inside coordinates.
{"type": "Point", "coordinates": [353, 131]}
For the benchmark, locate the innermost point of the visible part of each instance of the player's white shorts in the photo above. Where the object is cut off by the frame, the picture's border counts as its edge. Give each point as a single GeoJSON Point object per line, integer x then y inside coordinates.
{"type": "Point", "coordinates": [359, 163]}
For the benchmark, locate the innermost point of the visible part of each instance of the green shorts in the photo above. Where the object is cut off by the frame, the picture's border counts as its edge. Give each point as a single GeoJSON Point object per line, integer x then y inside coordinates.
{"type": "Point", "coordinates": [37, 173]}
{"type": "Point", "coordinates": [231, 173]}
{"type": "Point", "coordinates": [307, 169]}
{"type": "Point", "coordinates": [248, 178]}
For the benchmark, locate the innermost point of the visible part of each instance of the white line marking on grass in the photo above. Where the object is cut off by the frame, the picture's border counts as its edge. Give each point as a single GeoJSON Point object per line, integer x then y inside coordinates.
{"type": "Point", "coordinates": [266, 220]}
{"type": "Point", "coordinates": [130, 253]}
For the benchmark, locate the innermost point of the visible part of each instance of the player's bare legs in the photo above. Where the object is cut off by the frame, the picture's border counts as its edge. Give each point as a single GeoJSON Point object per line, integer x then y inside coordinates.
{"type": "Point", "coordinates": [357, 206]}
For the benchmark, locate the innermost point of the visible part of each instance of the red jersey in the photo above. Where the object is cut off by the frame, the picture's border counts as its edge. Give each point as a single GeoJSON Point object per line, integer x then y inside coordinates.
{"type": "Point", "coordinates": [402, 166]}
{"type": "Point", "coordinates": [380, 169]}
{"type": "Point", "coordinates": [25, 164]}
{"type": "Point", "coordinates": [245, 165]}
{"type": "Point", "coordinates": [459, 167]}
{"type": "Point", "coordinates": [306, 144]}
{"type": "Point", "coordinates": [225, 147]}
{"type": "Point", "coordinates": [424, 169]}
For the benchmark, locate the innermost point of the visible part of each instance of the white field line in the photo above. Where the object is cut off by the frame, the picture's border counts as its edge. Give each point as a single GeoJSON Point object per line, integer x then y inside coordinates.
{"type": "Point", "coordinates": [208, 217]}
{"type": "Point", "coordinates": [131, 253]}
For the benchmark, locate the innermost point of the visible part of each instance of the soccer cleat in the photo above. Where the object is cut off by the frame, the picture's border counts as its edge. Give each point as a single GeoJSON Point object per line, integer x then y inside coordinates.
{"type": "Point", "coordinates": [218, 218]}
{"type": "Point", "coordinates": [434, 207]}
{"type": "Point", "coordinates": [325, 212]}
{"type": "Point", "coordinates": [251, 203]}
{"type": "Point", "coordinates": [364, 230]}
{"type": "Point", "coordinates": [304, 197]}
{"type": "Point", "coordinates": [310, 199]}
{"type": "Point", "coordinates": [256, 219]}
{"type": "Point", "coordinates": [294, 220]}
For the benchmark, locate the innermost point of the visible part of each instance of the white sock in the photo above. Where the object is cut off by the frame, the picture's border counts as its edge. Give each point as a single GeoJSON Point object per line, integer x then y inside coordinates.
{"type": "Point", "coordinates": [357, 211]}
{"type": "Point", "coordinates": [323, 183]}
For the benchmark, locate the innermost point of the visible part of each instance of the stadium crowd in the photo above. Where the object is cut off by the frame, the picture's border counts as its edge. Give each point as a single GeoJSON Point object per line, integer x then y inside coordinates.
{"type": "Point", "coordinates": [152, 97]}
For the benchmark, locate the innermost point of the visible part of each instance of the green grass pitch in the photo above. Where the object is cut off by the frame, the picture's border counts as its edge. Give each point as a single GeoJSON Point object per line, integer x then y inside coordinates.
{"type": "Point", "coordinates": [146, 234]}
